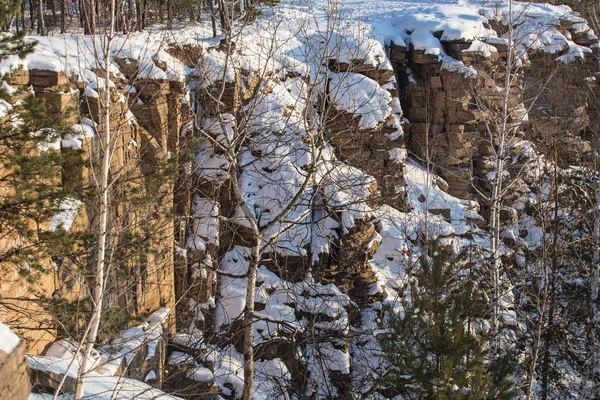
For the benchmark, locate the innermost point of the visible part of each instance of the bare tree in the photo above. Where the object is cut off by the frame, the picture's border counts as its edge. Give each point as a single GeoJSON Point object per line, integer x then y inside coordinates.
{"type": "Point", "coordinates": [257, 134]}
{"type": "Point", "coordinates": [108, 144]}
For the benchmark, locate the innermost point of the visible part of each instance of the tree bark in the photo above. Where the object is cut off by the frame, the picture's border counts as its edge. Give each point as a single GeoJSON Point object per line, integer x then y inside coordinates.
{"type": "Point", "coordinates": [169, 14]}
{"type": "Point", "coordinates": [213, 17]}
{"type": "Point", "coordinates": [224, 16]}
{"type": "Point", "coordinates": [548, 337]}
{"type": "Point", "coordinates": [63, 21]}
{"type": "Point", "coordinates": [31, 15]}
{"type": "Point", "coordinates": [249, 319]}
{"type": "Point", "coordinates": [497, 194]}
{"type": "Point", "coordinates": [23, 15]}
{"type": "Point", "coordinates": [42, 24]}
{"type": "Point", "coordinates": [101, 262]}
{"type": "Point", "coordinates": [53, 9]}
{"type": "Point", "coordinates": [89, 16]}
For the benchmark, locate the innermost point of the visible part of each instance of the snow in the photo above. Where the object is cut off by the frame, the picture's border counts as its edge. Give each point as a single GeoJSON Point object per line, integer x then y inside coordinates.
{"type": "Point", "coordinates": [187, 340]}
{"type": "Point", "coordinates": [123, 349]}
{"type": "Point", "coordinates": [420, 186]}
{"type": "Point", "coordinates": [398, 155]}
{"type": "Point", "coordinates": [536, 27]}
{"type": "Point", "coordinates": [228, 370]}
{"type": "Point", "coordinates": [271, 380]}
{"type": "Point", "coordinates": [6, 88]}
{"type": "Point", "coordinates": [98, 386]}
{"type": "Point", "coordinates": [484, 49]}
{"type": "Point", "coordinates": [64, 218]}
{"type": "Point", "coordinates": [79, 55]}
{"type": "Point", "coordinates": [360, 96]}
{"type": "Point", "coordinates": [231, 300]}
{"type": "Point", "coordinates": [422, 39]}
{"type": "Point", "coordinates": [90, 93]}
{"type": "Point", "coordinates": [279, 106]}
{"type": "Point", "coordinates": [205, 223]}
{"type": "Point", "coordinates": [151, 376]}
{"type": "Point", "coordinates": [5, 108]}
{"type": "Point", "coordinates": [236, 261]}
{"type": "Point", "coordinates": [212, 166]}
{"type": "Point", "coordinates": [574, 53]}
{"type": "Point", "coordinates": [8, 340]}
{"type": "Point", "coordinates": [179, 358]}
{"type": "Point", "coordinates": [43, 396]}
{"type": "Point", "coordinates": [347, 189]}
{"type": "Point", "coordinates": [454, 21]}
{"type": "Point", "coordinates": [215, 66]}
{"type": "Point", "coordinates": [352, 47]}
{"type": "Point", "coordinates": [200, 374]}
{"type": "Point", "coordinates": [84, 130]}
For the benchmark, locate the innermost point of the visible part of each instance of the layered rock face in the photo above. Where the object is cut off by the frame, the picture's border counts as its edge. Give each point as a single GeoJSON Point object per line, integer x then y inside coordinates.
{"type": "Point", "coordinates": [13, 366]}
{"type": "Point", "coordinates": [141, 284]}
{"type": "Point", "coordinates": [453, 89]}
{"type": "Point", "coordinates": [260, 127]}
{"type": "Point", "coordinates": [378, 148]}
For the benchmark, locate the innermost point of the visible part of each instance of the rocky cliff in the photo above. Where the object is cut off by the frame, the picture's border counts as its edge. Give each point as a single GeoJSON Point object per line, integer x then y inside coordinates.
{"type": "Point", "coordinates": [351, 152]}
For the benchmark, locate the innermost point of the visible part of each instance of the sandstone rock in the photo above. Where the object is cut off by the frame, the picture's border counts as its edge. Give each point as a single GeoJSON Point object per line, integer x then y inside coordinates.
{"type": "Point", "coordinates": [128, 67]}
{"type": "Point", "coordinates": [419, 57]}
{"type": "Point", "coordinates": [15, 97]}
{"type": "Point", "coordinates": [186, 53]}
{"type": "Point", "coordinates": [14, 374]}
{"type": "Point", "coordinates": [61, 104]}
{"type": "Point", "coordinates": [19, 78]}
{"type": "Point", "coordinates": [47, 80]}
{"type": "Point", "coordinates": [397, 53]}
{"type": "Point", "coordinates": [152, 89]}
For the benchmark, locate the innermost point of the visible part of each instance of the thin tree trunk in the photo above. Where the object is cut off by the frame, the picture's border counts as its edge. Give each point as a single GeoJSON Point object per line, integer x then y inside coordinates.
{"type": "Point", "coordinates": [249, 319]}
{"type": "Point", "coordinates": [31, 15]}
{"type": "Point", "coordinates": [169, 15]}
{"type": "Point", "coordinates": [63, 21]}
{"type": "Point", "coordinates": [53, 9]}
{"type": "Point", "coordinates": [138, 12]}
{"type": "Point", "coordinates": [23, 15]}
{"type": "Point", "coordinates": [82, 20]}
{"type": "Point", "coordinates": [548, 337]}
{"type": "Point", "coordinates": [129, 14]}
{"type": "Point", "coordinates": [141, 14]}
{"type": "Point", "coordinates": [213, 17]}
{"type": "Point", "coordinates": [98, 289]}
{"type": "Point", "coordinates": [224, 18]}
{"type": "Point", "coordinates": [89, 16]}
{"type": "Point", "coordinates": [496, 199]}
{"type": "Point", "coordinates": [534, 358]}
{"type": "Point", "coordinates": [42, 24]}
{"type": "Point", "coordinates": [144, 13]}
{"type": "Point", "coordinates": [97, 12]}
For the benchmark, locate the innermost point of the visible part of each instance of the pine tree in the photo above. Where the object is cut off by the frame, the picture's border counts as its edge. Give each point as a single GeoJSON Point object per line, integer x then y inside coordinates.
{"type": "Point", "coordinates": [432, 346]}
{"type": "Point", "coordinates": [12, 43]}
{"type": "Point", "coordinates": [31, 165]}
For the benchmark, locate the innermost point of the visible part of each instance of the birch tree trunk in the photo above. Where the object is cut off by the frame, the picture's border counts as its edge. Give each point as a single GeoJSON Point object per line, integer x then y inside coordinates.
{"type": "Point", "coordinates": [98, 289]}
{"type": "Point", "coordinates": [497, 191]}
{"type": "Point", "coordinates": [248, 319]}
